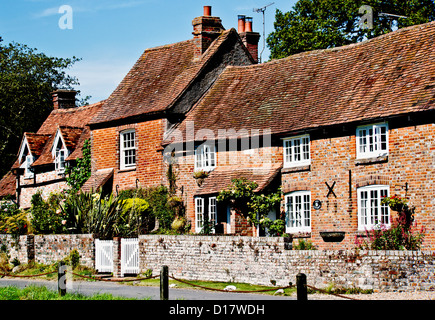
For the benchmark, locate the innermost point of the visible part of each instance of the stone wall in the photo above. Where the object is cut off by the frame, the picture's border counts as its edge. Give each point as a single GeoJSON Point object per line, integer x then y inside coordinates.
{"type": "Point", "coordinates": [48, 249]}
{"type": "Point", "coordinates": [261, 260]}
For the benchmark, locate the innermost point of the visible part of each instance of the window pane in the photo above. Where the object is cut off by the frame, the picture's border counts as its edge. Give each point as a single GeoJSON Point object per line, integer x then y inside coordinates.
{"type": "Point", "coordinates": [307, 210]}
{"type": "Point", "coordinates": [212, 210]}
{"type": "Point", "coordinates": [297, 149]}
{"type": "Point", "coordinates": [363, 207]}
{"type": "Point", "coordinates": [306, 148]}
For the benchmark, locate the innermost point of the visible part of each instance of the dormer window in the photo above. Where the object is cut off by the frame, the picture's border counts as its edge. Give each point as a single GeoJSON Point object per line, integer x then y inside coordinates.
{"type": "Point", "coordinates": [28, 171]}
{"type": "Point", "coordinates": [60, 161]}
{"type": "Point", "coordinates": [60, 153]}
{"type": "Point", "coordinates": [26, 159]}
{"type": "Point", "coordinates": [372, 141]}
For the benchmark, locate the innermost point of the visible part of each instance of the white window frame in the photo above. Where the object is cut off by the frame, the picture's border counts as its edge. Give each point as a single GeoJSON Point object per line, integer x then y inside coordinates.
{"type": "Point", "coordinates": [298, 211]}
{"type": "Point", "coordinates": [212, 210]}
{"type": "Point", "coordinates": [205, 157]}
{"type": "Point", "coordinates": [199, 214]}
{"type": "Point", "coordinates": [28, 173]}
{"type": "Point", "coordinates": [371, 213]}
{"type": "Point", "coordinates": [371, 142]}
{"type": "Point", "coordinates": [127, 151]}
{"type": "Point", "coordinates": [60, 160]}
{"type": "Point", "coordinates": [200, 210]}
{"type": "Point", "coordinates": [296, 151]}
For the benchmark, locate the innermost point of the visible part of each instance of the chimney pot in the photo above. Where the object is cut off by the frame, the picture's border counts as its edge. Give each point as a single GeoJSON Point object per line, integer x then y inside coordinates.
{"type": "Point", "coordinates": [241, 25]}
{"type": "Point", "coordinates": [207, 11]}
{"type": "Point", "coordinates": [248, 24]}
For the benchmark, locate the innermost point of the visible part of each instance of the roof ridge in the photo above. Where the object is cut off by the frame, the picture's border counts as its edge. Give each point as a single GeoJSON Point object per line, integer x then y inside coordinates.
{"type": "Point", "coordinates": [167, 46]}
{"type": "Point", "coordinates": [335, 49]}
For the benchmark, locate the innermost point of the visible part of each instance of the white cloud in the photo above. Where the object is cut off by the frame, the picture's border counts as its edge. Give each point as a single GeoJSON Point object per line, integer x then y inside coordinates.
{"type": "Point", "coordinates": [47, 12]}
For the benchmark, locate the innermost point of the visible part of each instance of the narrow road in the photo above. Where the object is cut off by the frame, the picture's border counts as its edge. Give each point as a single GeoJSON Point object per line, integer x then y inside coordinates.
{"type": "Point", "coordinates": [140, 292]}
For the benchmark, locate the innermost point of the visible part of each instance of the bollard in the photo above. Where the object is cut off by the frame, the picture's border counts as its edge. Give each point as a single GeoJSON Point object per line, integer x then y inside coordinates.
{"type": "Point", "coordinates": [164, 283]}
{"type": "Point", "coordinates": [61, 278]}
{"type": "Point", "coordinates": [301, 287]}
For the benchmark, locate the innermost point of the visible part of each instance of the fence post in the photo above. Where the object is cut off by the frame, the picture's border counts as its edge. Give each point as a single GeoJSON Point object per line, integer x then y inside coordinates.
{"type": "Point", "coordinates": [301, 287]}
{"type": "Point", "coordinates": [61, 278]}
{"type": "Point", "coordinates": [164, 283]}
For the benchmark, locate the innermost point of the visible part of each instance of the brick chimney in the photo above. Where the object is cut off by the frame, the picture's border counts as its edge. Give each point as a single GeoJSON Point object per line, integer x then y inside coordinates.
{"type": "Point", "coordinates": [205, 29]}
{"type": "Point", "coordinates": [64, 99]}
{"type": "Point", "coordinates": [249, 38]}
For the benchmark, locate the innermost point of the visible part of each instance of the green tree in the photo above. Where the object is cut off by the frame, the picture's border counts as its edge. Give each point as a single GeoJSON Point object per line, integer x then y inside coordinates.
{"type": "Point", "coordinates": [321, 24]}
{"type": "Point", "coordinates": [27, 78]}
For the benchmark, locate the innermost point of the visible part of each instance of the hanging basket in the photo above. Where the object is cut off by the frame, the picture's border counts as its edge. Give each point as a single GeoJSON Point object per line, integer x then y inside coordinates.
{"type": "Point", "coordinates": [332, 236]}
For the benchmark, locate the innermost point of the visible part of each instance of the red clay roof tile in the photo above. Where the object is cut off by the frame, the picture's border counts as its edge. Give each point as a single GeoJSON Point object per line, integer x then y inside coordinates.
{"type": "Point", "coordinates": [389, 75]}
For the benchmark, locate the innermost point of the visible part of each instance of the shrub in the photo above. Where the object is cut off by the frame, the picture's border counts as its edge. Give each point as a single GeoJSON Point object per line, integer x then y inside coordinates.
{"type": "Point", "coordinates": [403, 233]}
{"type": "Point", "coordinates": [47, 217]}
{"type": "Point", "coordinates": [304, 245]}
{"type": "Point", "coordinates": [254, 206]}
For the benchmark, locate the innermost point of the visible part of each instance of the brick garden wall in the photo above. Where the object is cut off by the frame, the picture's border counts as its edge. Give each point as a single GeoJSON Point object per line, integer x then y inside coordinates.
{"type": "Point", "coordinates": [264, 260]}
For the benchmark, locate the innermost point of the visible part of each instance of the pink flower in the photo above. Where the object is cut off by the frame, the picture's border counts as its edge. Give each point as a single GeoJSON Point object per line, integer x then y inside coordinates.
{"type": "Point", "coordinates": [63, 222]}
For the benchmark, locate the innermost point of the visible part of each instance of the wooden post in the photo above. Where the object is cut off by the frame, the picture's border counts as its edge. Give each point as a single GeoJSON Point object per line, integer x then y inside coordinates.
{"type": "Point", "coordinates": [301, 287]}
{"type": "Point", "coordinates": [164, 283]}
{"type": "Point", "coordinates": [61, 278]}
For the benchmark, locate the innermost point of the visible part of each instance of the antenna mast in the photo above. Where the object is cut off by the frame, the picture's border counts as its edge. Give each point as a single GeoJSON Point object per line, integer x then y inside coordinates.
{"type": "Point", "coordinates": [258, 10]}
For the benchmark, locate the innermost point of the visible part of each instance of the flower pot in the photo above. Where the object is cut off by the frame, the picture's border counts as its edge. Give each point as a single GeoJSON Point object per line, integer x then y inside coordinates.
{"type": "Point", "coordinates": [332, 236]}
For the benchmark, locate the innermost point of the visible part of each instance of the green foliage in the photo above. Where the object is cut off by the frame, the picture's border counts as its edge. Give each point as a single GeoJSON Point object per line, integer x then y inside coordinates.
{"type": "Point", "coordinates": [73, 259]}
{"type": "Point", "coordinates": [47, 217]}
{"type": "Point", "coordinates": [157, 198]}
{"type": "Point", "coordinates": [95, 214]}
{"type": "Point", "coordinates": [275, 228]}
{"type": "Point", "coordinates": [320, 24]}
{"type": "Point", "coordinates": [77, 175]}
{"type": "Point", "coordinates": [27, 78]}
{"type": "Point", "coordinates": [12, 220]}
{"type": "Point", "coordinates": [240, 194]}
{"type": "Point", "coordinates": [402, 234]}
{"type": "Point", "coordinates": [33, 292]}
{"type": "Point", "coordinates": [304, 245]}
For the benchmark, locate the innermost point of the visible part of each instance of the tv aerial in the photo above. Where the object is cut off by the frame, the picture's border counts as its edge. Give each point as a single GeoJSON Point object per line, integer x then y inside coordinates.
{"type": "Point", "coordinates": [262, 10]}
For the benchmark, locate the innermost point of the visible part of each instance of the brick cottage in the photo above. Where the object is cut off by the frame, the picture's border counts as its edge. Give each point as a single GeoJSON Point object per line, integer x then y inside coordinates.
{"type": "Point", "coordinates": [340, 128]}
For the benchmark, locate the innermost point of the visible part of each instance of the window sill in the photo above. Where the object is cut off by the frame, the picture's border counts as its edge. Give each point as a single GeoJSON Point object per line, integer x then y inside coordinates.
{"type": "Point", "coordinates": [127, 170]}
{"type": "Point", "coordinates": [296, 169]}
{"type": "Point", "coordinates": [382, 159]}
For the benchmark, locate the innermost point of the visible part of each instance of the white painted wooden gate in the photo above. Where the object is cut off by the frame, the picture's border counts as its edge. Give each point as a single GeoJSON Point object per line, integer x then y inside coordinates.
{"type": "Point", "coordinates": [129, 256]}
{"type": "Point", "coordinates": [104, 255]}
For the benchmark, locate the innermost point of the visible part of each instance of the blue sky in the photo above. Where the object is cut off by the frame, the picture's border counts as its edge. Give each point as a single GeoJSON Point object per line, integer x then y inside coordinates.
{"type": "Point", "coordinates": [110, 35]}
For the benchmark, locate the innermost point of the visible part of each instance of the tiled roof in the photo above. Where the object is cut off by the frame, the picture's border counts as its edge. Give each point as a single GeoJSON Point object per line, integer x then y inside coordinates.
{"type": "Point", "coordinates": [220, 178]}
{"type": "Point", "coordinates": [389, 75]}
{"type": "Point", "coordinates": [157, 79]}
{"type": "Point", "coordinates": [72, 124]}
{"type": "Point", "coordinates": [36, 142]}
{"type": "Point", "coordinates": [97, 180]}
{"type": "Point", "coordinates": [7, 185]}
{"type": "Point", "coordinates": [72, 117]}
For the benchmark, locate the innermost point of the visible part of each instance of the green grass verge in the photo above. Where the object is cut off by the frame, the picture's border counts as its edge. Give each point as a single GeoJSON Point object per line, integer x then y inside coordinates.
{"type": "Point", "coordinates": [42, 293]}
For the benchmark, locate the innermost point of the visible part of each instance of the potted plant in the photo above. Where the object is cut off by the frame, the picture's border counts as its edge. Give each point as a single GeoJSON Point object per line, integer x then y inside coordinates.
{"type": "Point", "coordinates": [199, 176]}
